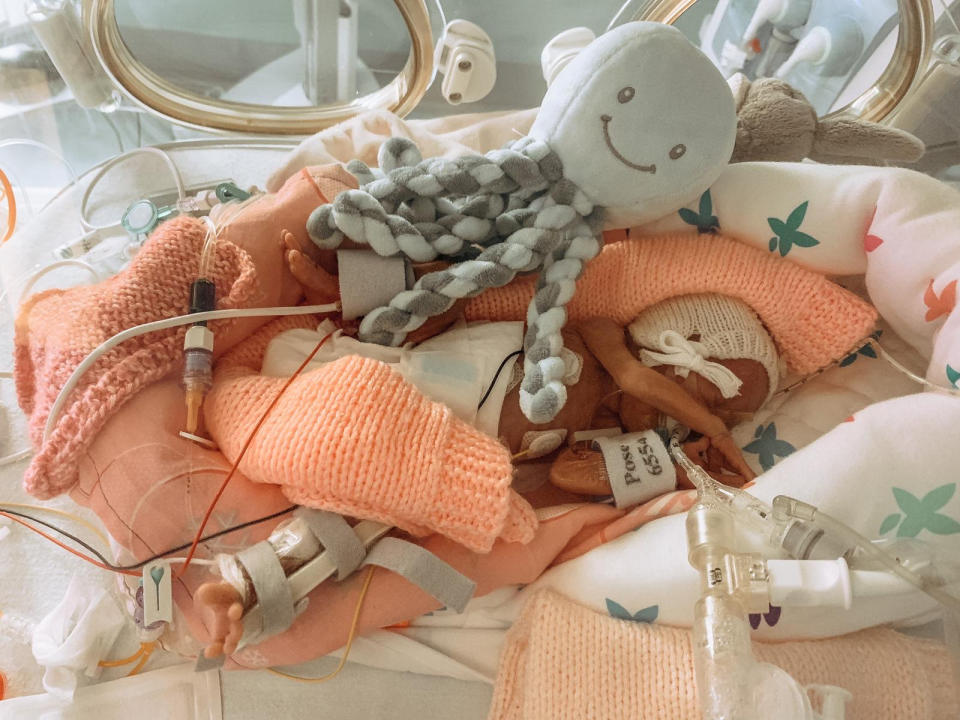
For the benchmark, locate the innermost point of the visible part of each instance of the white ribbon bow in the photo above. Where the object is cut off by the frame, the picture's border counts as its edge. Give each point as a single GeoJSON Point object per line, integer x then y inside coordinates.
{"type": "Point", "coordinates": [687, 355]}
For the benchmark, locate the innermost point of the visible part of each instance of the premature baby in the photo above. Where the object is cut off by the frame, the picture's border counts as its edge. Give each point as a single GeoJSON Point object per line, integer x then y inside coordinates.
{"type": "Point", "coordinates": [703, 361]}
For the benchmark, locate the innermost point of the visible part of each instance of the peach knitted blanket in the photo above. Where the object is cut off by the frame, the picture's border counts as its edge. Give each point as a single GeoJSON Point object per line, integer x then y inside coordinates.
{"type": "Point", "coordinates": [813, 320]}
{"type": "Point", "coordinates": [562, 661]}
{"type": "Point", "coordinates": [355, 438]}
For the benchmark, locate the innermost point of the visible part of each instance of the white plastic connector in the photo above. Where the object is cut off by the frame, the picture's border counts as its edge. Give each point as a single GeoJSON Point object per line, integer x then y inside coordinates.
{"type": "Point", "coordinates": [833, 701]}
{"type": "Point", "coordinates": [833, 47]}
{"type": "Point", "coordinates": [465, 58]}
{"type": "Point", "coordinates": [198, 337]}
{"type": "Point", "coordinates": [558, 53]}
{"type": "Point", "coordinates": [810, 583]}
{"type": "Point", "coordinates": [814, 48]}
{"type": "Point", "coordinates": [782, 13]}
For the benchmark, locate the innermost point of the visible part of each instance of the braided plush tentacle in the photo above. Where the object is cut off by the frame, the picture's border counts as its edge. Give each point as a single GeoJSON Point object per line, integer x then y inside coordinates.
{"type": "Point", "coordinates": [367, 215]}
{"type": "Point", "coordinates": [542, 393]}
{"type": "Point", "coordinates": [512, 202]}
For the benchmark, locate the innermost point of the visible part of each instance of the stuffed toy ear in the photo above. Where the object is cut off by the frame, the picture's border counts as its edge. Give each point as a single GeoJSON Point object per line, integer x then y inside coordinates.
{"type": "Point", "coordinates": [859, 141]}
{"type": "Point", "coordinates": [775, 123]}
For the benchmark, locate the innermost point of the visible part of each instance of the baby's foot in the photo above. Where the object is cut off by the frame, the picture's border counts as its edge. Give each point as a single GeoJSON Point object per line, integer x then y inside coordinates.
{"type": "Point", "coordinates": [222, 612]}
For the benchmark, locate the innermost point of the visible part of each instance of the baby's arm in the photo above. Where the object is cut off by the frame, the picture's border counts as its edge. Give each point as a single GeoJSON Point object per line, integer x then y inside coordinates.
{"type": "Point", "coordinates": [605, 339]}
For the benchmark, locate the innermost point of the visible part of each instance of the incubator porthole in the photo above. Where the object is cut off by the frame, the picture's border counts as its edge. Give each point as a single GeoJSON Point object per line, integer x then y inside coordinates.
{"type": "Point", "coordinates": [626, 94]}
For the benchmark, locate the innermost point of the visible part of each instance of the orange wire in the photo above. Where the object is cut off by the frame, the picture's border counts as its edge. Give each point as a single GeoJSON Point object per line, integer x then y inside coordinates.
{"type": "Point", "coordinates": [147, 652]}
{"type": "Point", "coordinates": [124, 661]}
{"type": "Point", "coordinates": [11, 204]}
{"type": "Point", "coordinates": [79, 554]}
{"type": "Point", "coordinates": [243, 450]}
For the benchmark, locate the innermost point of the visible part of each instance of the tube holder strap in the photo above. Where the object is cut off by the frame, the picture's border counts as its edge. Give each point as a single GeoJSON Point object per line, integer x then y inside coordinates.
{"type": "Point", "coordinates": [270, 583]}
{"type": "Point", "coordinates": [337, 538]}
{"type": "Point", "coordinates": [425, 570]}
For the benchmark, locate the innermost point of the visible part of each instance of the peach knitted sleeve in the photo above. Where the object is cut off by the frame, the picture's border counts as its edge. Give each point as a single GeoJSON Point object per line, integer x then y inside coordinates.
{"type": "Point", "coordinates": [562, 661]}
{"type": "Point", "coordinates": [355, 438]}
{"type": "Point", "coordinates": [812, 320]}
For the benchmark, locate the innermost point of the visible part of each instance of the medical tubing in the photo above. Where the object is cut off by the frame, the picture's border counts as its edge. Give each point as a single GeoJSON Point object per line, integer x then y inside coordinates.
{"type": "Point", "coordinates": [792, 507]}
{"type": "Point", "coordinates": [165, 324]}
{"type": "Point", "coordinates": [7, 192]}
{"type": "Point", "coordinates": [885, 354]}
{"type": "Point", "coordinates": [43, 146]}
{"type": "Point", "coordinates": [209, 248]}
{"type": "Point", "coordinates": [243, 451]}
{"type": "Point", "coordinates": [801, 540]}
{"type": "Point", "coordinates": [85, 198]}
{"type": "Point", "coordinates": [5, 511]}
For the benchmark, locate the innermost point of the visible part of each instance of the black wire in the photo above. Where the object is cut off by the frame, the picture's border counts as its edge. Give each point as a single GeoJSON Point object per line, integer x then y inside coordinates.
{"type": "Point", "coordinates": [496, 377]}
{"type": "Point", "coordinates": [158, 556]}
{"type": "Point", "coordinates": [66, 534]}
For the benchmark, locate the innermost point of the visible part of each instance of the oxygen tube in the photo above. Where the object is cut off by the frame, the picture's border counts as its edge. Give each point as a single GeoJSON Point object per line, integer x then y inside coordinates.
{"type": "Point", "coordinates": [731, 683]}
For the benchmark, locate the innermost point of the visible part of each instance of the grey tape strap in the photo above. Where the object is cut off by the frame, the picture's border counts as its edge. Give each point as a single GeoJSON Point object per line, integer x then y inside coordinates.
{"type": "Point", "coordinates": [270, 583]}
{"type": "Point", "coordinates": [368, 281]}
{"type": "Point", "coordinates": [638, 465]}
{"type": "Point", "coordinates": [345, 549]}
{"type": "Point", "coordinates": [423, 569]}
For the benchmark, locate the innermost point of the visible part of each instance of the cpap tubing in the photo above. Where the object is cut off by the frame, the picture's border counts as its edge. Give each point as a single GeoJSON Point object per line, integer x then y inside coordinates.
{"type": "Point", "coordinates": [799, 539]}
{"type": "Point", "coordinates": [178, 321]}
{"type": "Point", "coordinates": [760, 517]}
{"type": "Point", "coordinates": [791, 507]}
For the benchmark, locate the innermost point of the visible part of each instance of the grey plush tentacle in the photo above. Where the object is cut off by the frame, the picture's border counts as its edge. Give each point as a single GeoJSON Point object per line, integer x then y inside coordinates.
{"type": "Point", "coordinates": [366, 215]}
{"type": "Point", "coordinates": [513, 205]}
{"type": "Point", "coordinates": [542, 393]}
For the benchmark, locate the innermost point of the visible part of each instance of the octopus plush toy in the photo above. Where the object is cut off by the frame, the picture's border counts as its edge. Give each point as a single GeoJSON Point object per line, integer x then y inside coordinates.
{"type": "Point", "coordinates": [638, 125]}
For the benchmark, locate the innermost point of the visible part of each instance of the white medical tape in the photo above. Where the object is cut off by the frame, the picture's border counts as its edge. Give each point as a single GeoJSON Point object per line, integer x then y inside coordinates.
{"type": "Point", "coordinates": [425, 570]}
{"type": "Point", "coordinates": [337, 538]}
{"type": "Point", "coordinates": [638, 466]}
{"type": "Point", "coordinates": [270, 583]}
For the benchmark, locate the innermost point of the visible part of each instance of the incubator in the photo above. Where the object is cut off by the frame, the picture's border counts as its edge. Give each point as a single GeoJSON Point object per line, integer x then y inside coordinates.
{"type": "Point", "coordinates": [117, 116]}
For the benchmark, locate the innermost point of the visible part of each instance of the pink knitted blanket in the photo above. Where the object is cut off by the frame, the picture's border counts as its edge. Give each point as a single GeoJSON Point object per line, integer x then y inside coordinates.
{"type": "Point", "coordinates": [562, 661]}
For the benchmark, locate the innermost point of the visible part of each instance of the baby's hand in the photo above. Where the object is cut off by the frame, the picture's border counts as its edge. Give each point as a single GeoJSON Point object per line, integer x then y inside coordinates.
{"type": "Point", "coordinates": [319, 286]}
{"type": "Point", "coordinates": [730, 457]}
{"type": "Point", "coordinates": [222, 612]}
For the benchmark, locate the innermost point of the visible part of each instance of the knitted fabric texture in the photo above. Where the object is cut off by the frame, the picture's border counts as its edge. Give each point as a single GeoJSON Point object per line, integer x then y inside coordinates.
{"type": "Point", "coordinates": [563, 661]}
{"type": "Point", "coordinates": [355, 438]}
{"type": "Point", "coordinates": [812, 320]}
{"type": "Point", "coordinates": [57, 329]}
{"type": "Point", "coordinates": [727, 329]}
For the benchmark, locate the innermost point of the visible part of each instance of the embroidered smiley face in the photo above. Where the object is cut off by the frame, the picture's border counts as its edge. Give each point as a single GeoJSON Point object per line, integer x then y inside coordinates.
{"type": "Point", "coordinates": [625, 95]}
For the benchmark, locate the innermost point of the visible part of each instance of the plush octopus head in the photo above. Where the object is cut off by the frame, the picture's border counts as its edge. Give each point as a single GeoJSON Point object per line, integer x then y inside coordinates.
{"type": "Point", "coordinates": [641, 120]}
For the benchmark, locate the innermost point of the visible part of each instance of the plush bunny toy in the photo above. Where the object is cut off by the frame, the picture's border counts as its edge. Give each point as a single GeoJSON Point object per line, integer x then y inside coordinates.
{"type": "Point", "coordinates": [639, 124]}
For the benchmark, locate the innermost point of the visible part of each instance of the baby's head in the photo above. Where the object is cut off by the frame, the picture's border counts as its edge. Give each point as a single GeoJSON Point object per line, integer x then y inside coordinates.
{"type": "Point", "coordinates": [714, 346]}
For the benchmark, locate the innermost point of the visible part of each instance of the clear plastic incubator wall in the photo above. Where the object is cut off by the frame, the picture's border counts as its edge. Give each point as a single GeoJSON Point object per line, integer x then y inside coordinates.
{"type": "Point", "coordinates": [508, 360]}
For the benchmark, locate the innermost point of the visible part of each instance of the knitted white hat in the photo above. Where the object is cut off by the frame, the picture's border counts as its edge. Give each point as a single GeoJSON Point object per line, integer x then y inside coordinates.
{"type": "Point", "coordinates": [727, 327]}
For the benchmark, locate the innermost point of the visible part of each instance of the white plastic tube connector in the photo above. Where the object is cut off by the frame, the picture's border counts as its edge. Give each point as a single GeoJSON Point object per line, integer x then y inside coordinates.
{"type": "Point", "coordinates": [810, 583]}
{"type": "Point", "coordinates": [814, 48]}
{"type": "Point", "coordinates": [558, 53]}
{"type": "Point", "coordinates": [832, 47]}
{"type": "Point", "coordinates": [782, 13]}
